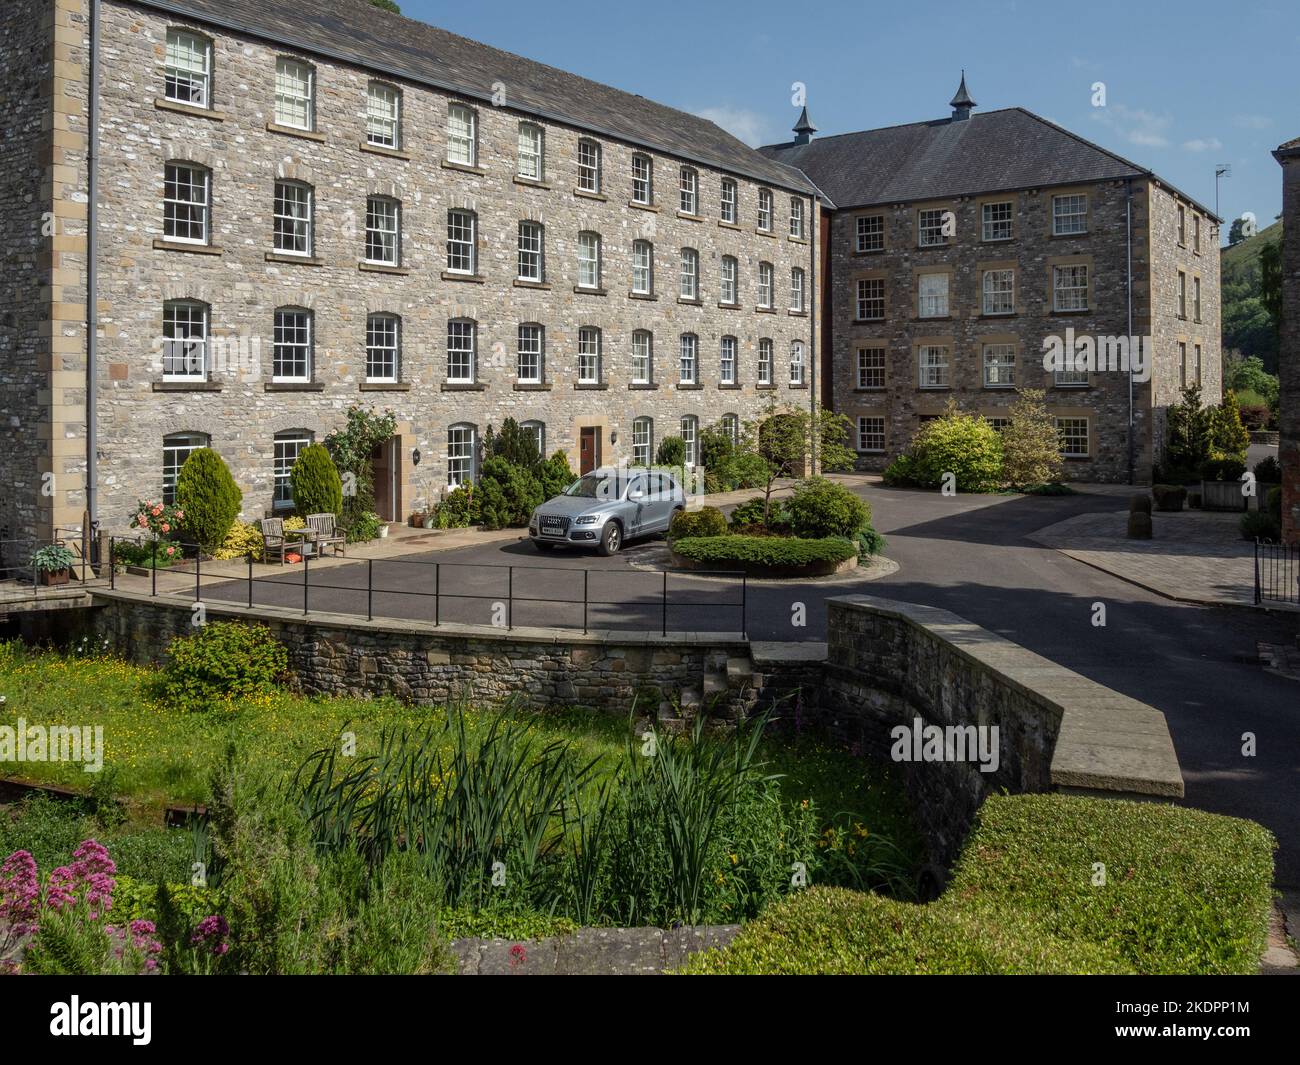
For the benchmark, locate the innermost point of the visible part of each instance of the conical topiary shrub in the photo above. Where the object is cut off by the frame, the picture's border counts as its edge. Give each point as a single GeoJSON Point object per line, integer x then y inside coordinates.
{"type": "Point", "coordinates": [314, 479]}
{"type": "Point", "coordinates": [207, 498]}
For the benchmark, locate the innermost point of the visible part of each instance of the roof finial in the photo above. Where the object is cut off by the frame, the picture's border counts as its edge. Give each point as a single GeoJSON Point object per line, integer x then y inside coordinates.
{"type": "Point", "coordinates": [804, 129]}
{"type": "Point", "coordinates": [962, 103]}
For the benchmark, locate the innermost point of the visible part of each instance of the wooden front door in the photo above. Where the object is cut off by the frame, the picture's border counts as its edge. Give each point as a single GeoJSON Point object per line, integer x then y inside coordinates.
{"type": "Point", "coordinates": [588, 449]}
{"type": "Point", "coordinates": [383, 470]}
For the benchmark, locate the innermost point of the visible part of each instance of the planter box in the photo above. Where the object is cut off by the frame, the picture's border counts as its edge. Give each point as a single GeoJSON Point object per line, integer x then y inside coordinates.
{"type": "Point", "coordinates": [1222, 495]}
{"type": "Point", "coordinates": [753, 569]}
{"type": "Point", "coordinates": [52, 577]}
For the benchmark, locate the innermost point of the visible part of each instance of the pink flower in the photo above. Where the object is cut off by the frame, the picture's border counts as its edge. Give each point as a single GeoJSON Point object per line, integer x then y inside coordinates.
{"type": "Point", "coordinates": [156, 510]}
{"type": "Point", "coordinates": [165, 527]}
{"type": "Point", "coordinates": [20, 892]}
{"type": "Point", "coordinates": [180, 515]}
{"type": "Point", "coordinates": [518, 955]}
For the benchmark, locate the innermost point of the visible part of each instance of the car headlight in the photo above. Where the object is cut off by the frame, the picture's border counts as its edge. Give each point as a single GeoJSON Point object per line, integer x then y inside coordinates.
{"type": "Point", "coordinates": [586, 519]}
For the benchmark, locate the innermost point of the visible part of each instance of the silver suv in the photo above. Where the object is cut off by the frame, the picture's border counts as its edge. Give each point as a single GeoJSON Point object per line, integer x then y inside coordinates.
{"type": "Point", "coordinates": [606, 507]}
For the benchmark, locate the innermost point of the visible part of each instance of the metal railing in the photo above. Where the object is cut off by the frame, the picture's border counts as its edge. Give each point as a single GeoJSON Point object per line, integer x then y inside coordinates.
{"type": "Point", "coordinates": [662, 602]}
{"type": "Point", "coordinates": [1277, 572]}
{"type": "Point", "coordinates": [16, 559]}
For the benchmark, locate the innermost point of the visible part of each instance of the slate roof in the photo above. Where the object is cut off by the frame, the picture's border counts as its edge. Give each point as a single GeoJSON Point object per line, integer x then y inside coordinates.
{"type": "Point", "coordinates": [991, 151]}
{"type": "Point", "coordinates": [357, 33]}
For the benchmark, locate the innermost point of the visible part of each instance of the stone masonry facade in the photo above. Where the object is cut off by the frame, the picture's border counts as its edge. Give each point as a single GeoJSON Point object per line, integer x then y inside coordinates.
{"type": "Point", "coordinates": [235, 277]}
{"type": "Point", "coordinates": [1288, 155]}
{"type": "Point", "coordinates": [877, 358]}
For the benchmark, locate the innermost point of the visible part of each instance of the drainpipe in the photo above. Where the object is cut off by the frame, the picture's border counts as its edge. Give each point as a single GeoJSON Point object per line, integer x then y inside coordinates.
{"type": "Point", "coordinates": [92, 279]}
{"type": "Point", "coordinates": [1128, 225]}
{"type": "Point", "coordinates": [814, 364]}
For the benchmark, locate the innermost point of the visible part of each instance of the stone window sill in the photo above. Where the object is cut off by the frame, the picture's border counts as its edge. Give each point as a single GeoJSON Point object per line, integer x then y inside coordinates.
{"type": "Point", "coordinates": [163, 104]}
{"type": "Point", "coordinates": [729, 306]}
{"type": "Point", "coordinates": [797, 314]}
{"type": "Point", "coordinates": [519, 283]}
{"type": "Point", "coordinates": [180, 245]}
{"type": "Point", "coordinates": [765, 388]}
{"type": "Point", "coordinates": [1071, 314]}
{"type": "Point", "coordinates": [1003, 315]}
{"type": "Point", "coordinates": [683, 386]}
{"type": "Point", "coordinates": [379, 149]}
{"type": "Point", "coordinates": [874, 388]}
{"type": "Point", "coordinates": [642, 386]}
{"type": "Point", "coordinates": [797, 240]}
{"type": "Point", "coordinates": [532, 386]}
{"type": "Point", "coordinates": [799, 387]}
{"type": "Point", "coordinates": [186, 386]}
{"type": "Point", "coordinates": [464, 168]}
{"type": "Point", "coordinates": [289, 131]}
{"type": "Point", "coordinates": [687, 217]}
{"type": "Point", "coordinates": [385, 386]}
{"type": "Point", "coordinates": [585, 195]}
{"type": "Point", "coordinates": [591, 386]}
{"type": "Point", "coordinates": [583, 290]}
{"type": "Point", "coordinates": [463, 386]}
{"type": "Point", "coordinates": [643, 206]}
{"type": "Point", "coordinates": [765, 233]}
{"type": "Point", "coordinates": [642, 296]}
{"type": "Point", "coordinates": [297, 260]}
{"type": "Point", "coordinates": [472, 279]}
{"type": "Point", "coordinates": [532, 183]}
{"type": "Point", "coordinates": [382, 268]}
{"type": "Point", "coordinates": [689, 303]}
{"type": "Point", "coordinates": [765, 310]}
{"type": "Point", "coordinates": [728, 225]}
{"type": "Point", "coordinates": [293, 386]}
{"type": "Point", "coordinates": [735, 386]}
{"type": "Point", "coordinates": [869, 251]}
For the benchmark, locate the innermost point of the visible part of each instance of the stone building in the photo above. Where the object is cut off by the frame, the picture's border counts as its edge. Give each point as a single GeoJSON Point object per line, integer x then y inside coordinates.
{"type": "Point", "coordinates": [956, 247]}
{"type": "Point", "coordinates": [1288, 367]}
{"type": "Point", "coordinates": [305, 207]}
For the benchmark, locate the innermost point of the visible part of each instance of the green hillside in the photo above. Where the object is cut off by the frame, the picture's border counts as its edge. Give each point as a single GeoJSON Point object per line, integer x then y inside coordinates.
{"type": "Point", "coordinates": [1246, 325]}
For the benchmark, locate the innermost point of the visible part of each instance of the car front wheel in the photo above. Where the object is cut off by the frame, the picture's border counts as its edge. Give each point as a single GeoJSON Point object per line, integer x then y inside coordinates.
{"type": "Point", "coordinates": [611, 538]}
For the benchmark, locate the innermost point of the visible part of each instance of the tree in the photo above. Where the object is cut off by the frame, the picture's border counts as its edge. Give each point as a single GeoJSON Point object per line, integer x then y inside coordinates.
{"type": "Point", "coordinates": [515, 445]}
{"type": "Point", "coordinates": [783, 438]}
{"type": "Point", "coordinates": [315, 482]}
{"type": "Point", "coordinates": [507, 493]}
{"type": "Point", "coordinates": [1031, 447]}
{"type": "Point", "coordinates": [963, 445]}
{"type": "Point", "coordinates": [671, 452]}
{"type": "Point", "coordinates": [1229, 438]}
{"type": "Point", "coordinates": [1187, 432]}
{"type": "Point", "coordinates": [352, 449]}
{"type": "Point", "coordinates": [1270, 282]}
{"type": "Point", "coordinates": [387, 5]}
{"type": "Point", "coordinates": [207, 496]}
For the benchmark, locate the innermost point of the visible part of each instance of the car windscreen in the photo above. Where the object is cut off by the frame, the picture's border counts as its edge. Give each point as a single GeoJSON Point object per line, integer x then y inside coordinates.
{"type": "Point", "coordinates": [589, 487]}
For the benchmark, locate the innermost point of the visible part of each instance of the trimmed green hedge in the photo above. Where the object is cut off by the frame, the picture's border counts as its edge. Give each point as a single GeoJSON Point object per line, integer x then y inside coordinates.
{"type": "Point", "coordinates": [707, 521]}
{"type": "Point", "coordinates": [764, 550]}
{"type": "Point", "coordinates": [1186, 892]}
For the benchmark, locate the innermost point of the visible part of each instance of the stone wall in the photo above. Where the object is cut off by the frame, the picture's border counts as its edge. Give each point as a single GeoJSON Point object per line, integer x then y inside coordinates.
{"type": "Point", "coordinates": [1289, 357]}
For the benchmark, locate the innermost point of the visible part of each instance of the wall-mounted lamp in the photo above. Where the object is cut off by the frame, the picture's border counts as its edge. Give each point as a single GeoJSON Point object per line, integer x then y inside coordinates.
{"type": "Point", "coordinates": [415, 457]}
{"type": "Point", "coordinates": [613, 437]}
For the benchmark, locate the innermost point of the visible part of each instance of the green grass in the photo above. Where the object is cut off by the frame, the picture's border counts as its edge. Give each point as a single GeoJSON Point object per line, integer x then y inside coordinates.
{"type": "Point", "coordinates": [1185, 892]}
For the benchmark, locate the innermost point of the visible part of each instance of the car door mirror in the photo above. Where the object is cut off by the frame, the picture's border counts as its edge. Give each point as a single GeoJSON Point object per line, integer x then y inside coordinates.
{"type": "Point", "coordinates": [636, 493]}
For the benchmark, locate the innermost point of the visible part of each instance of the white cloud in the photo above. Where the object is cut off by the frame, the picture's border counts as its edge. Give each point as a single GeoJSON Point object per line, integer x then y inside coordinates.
{"type": "Point", "coordinates": [1253, 121]}
{"type": "Point", "coordinates": [749, 126]}
{"type": "Point", "coordinates": [1203, 144]}
{"type": "Point", "coordinates": [1144, 128]}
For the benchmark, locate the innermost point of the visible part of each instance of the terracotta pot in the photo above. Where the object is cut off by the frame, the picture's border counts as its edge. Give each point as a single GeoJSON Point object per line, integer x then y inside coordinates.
{"type": "Point", "coordinates": [50, 577]}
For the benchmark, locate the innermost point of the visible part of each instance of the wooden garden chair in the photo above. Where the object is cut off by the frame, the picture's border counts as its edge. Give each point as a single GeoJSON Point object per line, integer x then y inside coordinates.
{"type": "Point", "coordinates": [326, 533]}
{"type": "Point", "coordinates": [274, 545]}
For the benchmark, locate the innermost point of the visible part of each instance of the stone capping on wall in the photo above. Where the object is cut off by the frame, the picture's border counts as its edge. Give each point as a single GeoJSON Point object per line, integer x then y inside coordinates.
{"type": "Point", "coordinates": [1105, 741]}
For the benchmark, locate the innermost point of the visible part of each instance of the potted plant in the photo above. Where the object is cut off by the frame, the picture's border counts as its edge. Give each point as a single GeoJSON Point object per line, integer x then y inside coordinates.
{"type": "Point", "coordinates": [416, 520]}
{"type": "Point", "coordinates": [1221, 485]}
{"type": "Point", "coordinates": [53, 564]}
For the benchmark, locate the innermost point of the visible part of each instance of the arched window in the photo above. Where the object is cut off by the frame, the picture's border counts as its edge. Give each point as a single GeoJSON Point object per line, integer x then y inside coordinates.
{"type": "Point", "coordinates": [383, 347]}
{"type": "Point", "coordinates": [288, 446]}
{"type": "Point", "coordinates": [690, 287]}
{"type": "Point", "coordinates": [730, 424]}
{"type": "Point", "coordinates": [188, 69]}
{"type": "Point", "coordinates": [796, 289]}
{"type": "Point", "coordinates": [292, 218]}
{"type": "Point", "coordinates": [765, 361]}
{"type": "Point", "coordinates": [531, 245]}
{"type": "Point", "coordinates": [177, 447]}
{"type": "Point", "coordinates": [690, 351]}
{"type": "Point", "coordinates": [765, 210]}
{"type": "Point", "coordinates": [295, 93]}
{"type": "Point", "coordinates": [462, 361]}
{"type": "Point", "coordinates": [643, 440]}
{"type": "Point", "coordinates": [589, 166]}
{"type": "Point", "coordinates": [765, 285]}
{"type": "Point", "coordinates": [383, 231]}
{"type": "Point", "coordinates": [796, 218]}
{"type": "Point", "coordinates": [185, 341]}
{"type": "Point", "coordinates": [796, 363]}
{"type": "Point", "coordinates": [689, 189]}
{"type": "Point", "coordinates": [642, 179]}
{"type": "Point", "coordinates": [728, 291]}
{"type": "Point", "coordinates": [462, 453]}
{"type": "Point", "coordinates": [727, 361]}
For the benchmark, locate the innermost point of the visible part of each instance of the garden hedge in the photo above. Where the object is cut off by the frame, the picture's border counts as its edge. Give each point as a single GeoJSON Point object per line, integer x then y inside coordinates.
{"type": "Point", "coordinates": [1185, 892]}
{"type": "Point", "coordinates": [707, 521]}
{"type": "Point", "coordinates": [764, 550]}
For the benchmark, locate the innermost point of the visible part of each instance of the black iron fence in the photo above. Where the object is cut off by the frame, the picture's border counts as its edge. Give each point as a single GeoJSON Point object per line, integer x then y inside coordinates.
{"type": "Point", "coordinates": [404, 588]}
{"type": "Point", "coordinates": [18, 561]}
{"type": "Point", "coordinates": [1277, 572]}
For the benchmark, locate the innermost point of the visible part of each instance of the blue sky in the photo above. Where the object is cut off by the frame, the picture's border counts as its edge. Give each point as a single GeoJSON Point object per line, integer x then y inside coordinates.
{"type": "Point", "coordinates": [1188, 85]}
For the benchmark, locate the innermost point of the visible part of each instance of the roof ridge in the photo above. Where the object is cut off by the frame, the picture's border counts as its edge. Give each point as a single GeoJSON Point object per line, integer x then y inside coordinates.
{"type": "Point", "coordinates": [942, 121]}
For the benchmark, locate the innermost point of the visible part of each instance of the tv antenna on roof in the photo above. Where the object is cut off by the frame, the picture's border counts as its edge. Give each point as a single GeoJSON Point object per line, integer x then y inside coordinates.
{"type": "Point", "coordinates": [1220, 171]}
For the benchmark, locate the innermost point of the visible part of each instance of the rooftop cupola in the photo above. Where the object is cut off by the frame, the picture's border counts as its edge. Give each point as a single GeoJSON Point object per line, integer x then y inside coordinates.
{"type": "Point", "coordinates": [961, 103]}
{"type": "Point", "coordinates": [804, 129]}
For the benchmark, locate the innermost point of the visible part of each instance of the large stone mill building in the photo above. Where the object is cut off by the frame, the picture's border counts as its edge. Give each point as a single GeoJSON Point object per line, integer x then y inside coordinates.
{"type": "Point", "coordinates": [286, 209]}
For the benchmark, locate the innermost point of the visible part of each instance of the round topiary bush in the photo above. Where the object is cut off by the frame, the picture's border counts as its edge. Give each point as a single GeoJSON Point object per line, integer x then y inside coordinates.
{"type": "Point", "coordinates": [821, 508]}
{"type": "Point", "coordinates": [315, 482]}
{"type": "Point", "coordinates": [507, 494]}
{"type": "Point", "coordinates": [207, 499]}
{"type": "Point", "coordinates": [963, 445]}
{"type": "Point", "coordinates": [707, 521]}
{"type": "Point", "coordinates": [219, 665]}
{"type": "Point", "coordinates": [1139, 526]}
{"type": "Point", "coordinates": [1169, 497]}
{"type": "Point", "coordinates": [1139, 504]}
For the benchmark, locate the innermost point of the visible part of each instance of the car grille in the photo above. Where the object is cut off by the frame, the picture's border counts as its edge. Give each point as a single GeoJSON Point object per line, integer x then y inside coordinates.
{"type": "Point", "coordinates": [552, 525]}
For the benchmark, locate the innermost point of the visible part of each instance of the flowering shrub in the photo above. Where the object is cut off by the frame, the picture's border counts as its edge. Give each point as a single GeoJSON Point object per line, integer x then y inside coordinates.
{"type": "Point", "coordinates": [157, 519]}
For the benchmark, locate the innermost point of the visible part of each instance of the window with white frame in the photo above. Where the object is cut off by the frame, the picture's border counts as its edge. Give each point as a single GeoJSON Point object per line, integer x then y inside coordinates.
{"type": "Point", "coordinates": [995, 221]}
{"type": "Point", "coordinates": [727, 361]}
{"type": "Point", "coordinates": [1073, 435]}
{"type": "Point", "coordinates": [690, 351]}
{"type": "Point", "coordinates": [796, 363]}
{"type": "Point", "coordinates": [691, 438]}
{"type": "Point", "coordinates": [765, 210]}
{"type": "Point", "coordinates": [796, 289]}
{"type": "Point", "coordinates": [530, 251]}
{"type": "Point", "coordinates": [1182, 294]}
{"type": "Point", "coordinates": [931, 228]}
{"type": "Point", "coordinates": [1070, 378]}
{"type": "Point", "coordinates": [727, 291]}
{"type": "Point", "coordinates": [531, 162]}
{"type": "Point", "coordinates": [642, 354]}
{"type": "Point", "coordinates": [1182, 225]}
{"type": "Point", "coordinates": [999, 292]}
{"type": "Point", "coordinates": [871, 434]}
{"type": "Point", "coordinates": [642, 179]}
{"type": "Point", "coordinates": [870, 232]}
{"type": "Point", "coordinates": [383, 344]}
{"type": "Point", "coordinates": [643, 438]}
{"type": "Point", "coordinates": [461, 241]}
{"type": "Point", "coordinates": [1196, 299]}
{"type": "Point", "coordinates": [293, 218]}
{"type": "Point", "coordinates": [934, 366]}
{"type": "Point", "coordinates": [999, 365]}
{"type": "Point", "coordinates": [871, 299]}
{"type": "Point", "coordinates": [688, 200]}
{"type": "Point", "coordinates": [188, 69]}
{"type": "Point", "coordinates": [589, 166]}
{"type": "Point", "coordinates": [292, 348]}
{"type": "Point", "coordinates": [730, 424]}
{"type": "Point", "coordinates": [185, 340]}
{"type": "Point", "coordinates": [765, 349]}
{"type": "Point", "coordinates": [537, 430]}
{"type": "Point", "coordinates": [1069, 215]}
{"type": "Point", "coordinates": [461, 336]}
{"type": "Point", "coordinates": [690, 276]}
{"type": "Point", "coordinates": [588, 260]}
{"type": "Point", "coordinates": [177, 447]}
{"type": "Point", "coordinates": [1070, 288]}
{"type": "Point", "coordinates": [765, 285]}
{"type": "Point", "coordinates": [998, 424]}
{"type": "Point", "coordinates": [462, 450]}
{"type": "Point", "coordinates": [643, 267]}
{"type": "Point", "coordinates": [383, 116]}
{"type": "Point", "coordinates": [727, 202]}
{"type": "Point", "coordinates": [383, 231]}
{"type": "Point", "coordinates": [588, 355]}
{"type": "Point", "coordinates": [796, 218]}
{"type": "Point", "coordinates": [288, 445]}
{"type": "Point", "coordinates": [295, 89]}
{"type": "Point", "coordinates": [462, 135]}
{"type": "Point", "coordinates": [530, 354]}
{"type": "Point", "coordinates": [186, 198]}
{"type": "Point", "coordinates": [932, 296]}
{"type": "Point", "coordinates": [871, 367]}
